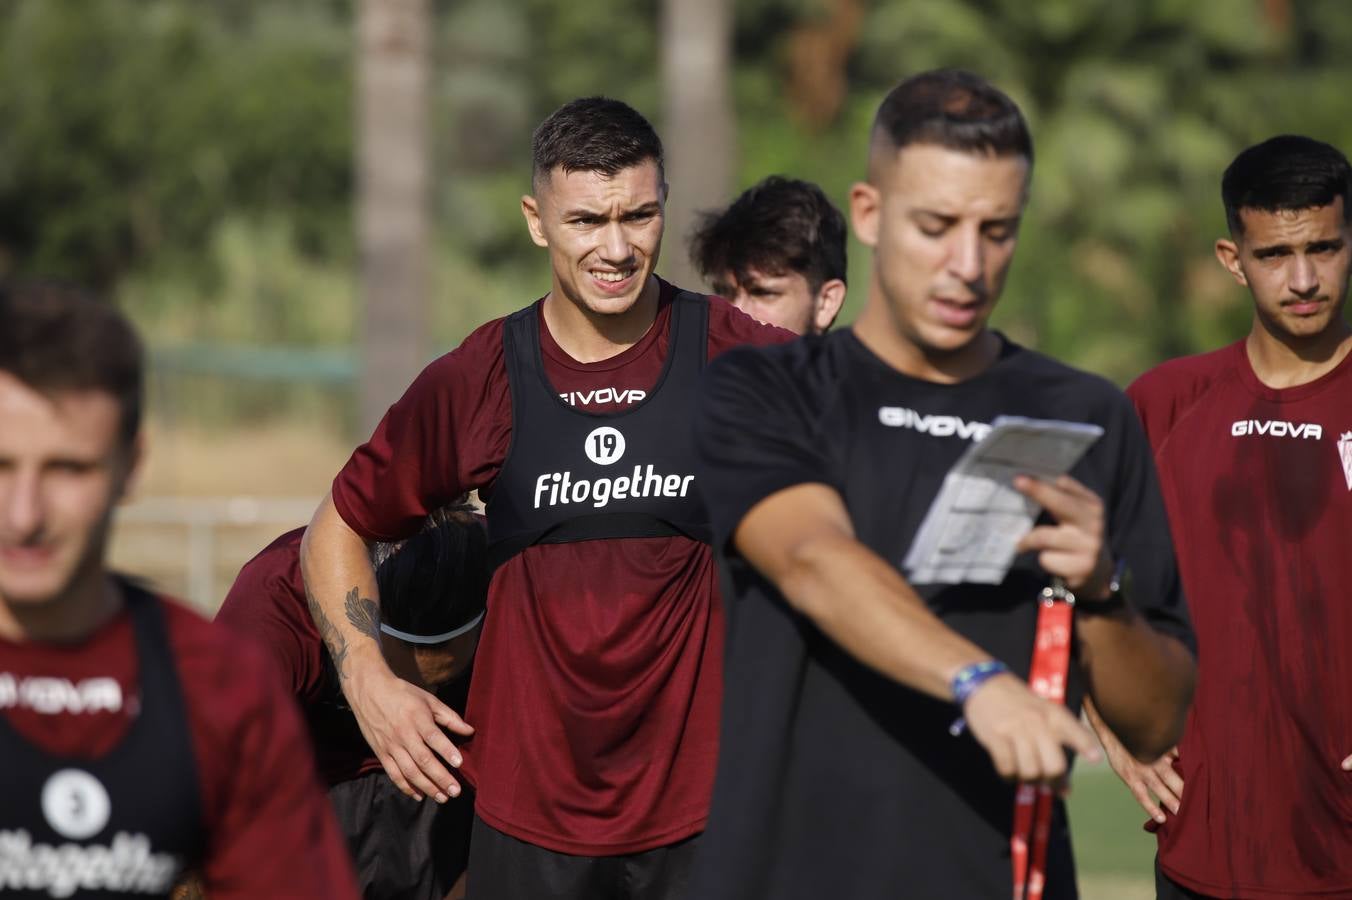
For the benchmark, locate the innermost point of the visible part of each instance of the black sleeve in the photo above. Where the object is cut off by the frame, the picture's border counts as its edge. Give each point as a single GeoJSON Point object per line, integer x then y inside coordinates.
{"type": "Point", "coordinates": [755, 434]}
{"type": "Point", "coordinates": [1138, 527]}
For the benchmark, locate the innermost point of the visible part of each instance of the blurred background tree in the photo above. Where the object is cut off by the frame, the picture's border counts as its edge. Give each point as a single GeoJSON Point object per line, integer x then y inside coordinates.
{"type": "Point", "coordinates": [195, 157]}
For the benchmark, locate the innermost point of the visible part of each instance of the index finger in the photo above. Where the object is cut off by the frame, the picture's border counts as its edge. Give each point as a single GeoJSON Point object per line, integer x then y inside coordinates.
{"type": "Point", "coordinates": [1072, 734]}
{"type": "Point", "coordinates": [1065, 498]}
{"type": "Point", "coordinates": [450, 719]}
{"type": "Point", "coordinates": [423, 752]}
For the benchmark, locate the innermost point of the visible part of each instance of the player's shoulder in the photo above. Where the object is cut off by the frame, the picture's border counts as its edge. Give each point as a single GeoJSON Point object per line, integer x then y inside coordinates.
{"type": "Point", "coordinates": [1165, 395]}
{"type": "Point", "coordinates": [202, 646]}
{"type": "Point", "coordinates": [224, 673]}
{"type": "Point", "coordinates": [283, 547]}
{"type": "Point", "coordinates": [729, 327]}
{"type": "Point", "coordinates": [1047, 374]}
{"type": "Point", "coordinates": [806, 367]}
{"type": "Point", "coordinates": [1186, 376]}
{"type": "Point", "coordinates": [479, 355]}
{"type": "Point", "coordinates": [274, 571]}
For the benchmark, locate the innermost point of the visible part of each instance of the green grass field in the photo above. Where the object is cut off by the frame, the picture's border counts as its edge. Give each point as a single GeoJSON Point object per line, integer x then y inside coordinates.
{"type": "Point", "coordinates": [1114, 856]}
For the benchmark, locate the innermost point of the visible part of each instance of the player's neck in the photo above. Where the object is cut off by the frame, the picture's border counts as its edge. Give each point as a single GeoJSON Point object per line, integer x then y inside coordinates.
{"type": "Point", "coordinates": [1281, 361]}
{"type": "Point", "coordinates": [880, 333]}
{"type": "Point", "coordinates": [81, 610]}
{"type": "Point", "coordinates": [589, 336]}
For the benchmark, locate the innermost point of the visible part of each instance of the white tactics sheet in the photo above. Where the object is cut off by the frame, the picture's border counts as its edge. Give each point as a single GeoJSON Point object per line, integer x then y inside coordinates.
{"type": "Point", "coordinates": [973, 525]}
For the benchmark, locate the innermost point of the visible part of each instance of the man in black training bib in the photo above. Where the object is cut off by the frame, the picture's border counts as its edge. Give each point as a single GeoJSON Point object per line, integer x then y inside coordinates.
{"type": "Point", "coordinates": [838, 773]}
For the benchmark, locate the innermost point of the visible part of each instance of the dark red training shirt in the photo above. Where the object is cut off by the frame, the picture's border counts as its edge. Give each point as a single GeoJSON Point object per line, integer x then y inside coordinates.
{"type": "Point", "coordinates": [270, 829]}
{"type": "Point", "coordinates": [598, 677]}
{"type": "Point", "coordinates": [267, 602]}
{"type": "Point", "coordinates": [1258, 484]}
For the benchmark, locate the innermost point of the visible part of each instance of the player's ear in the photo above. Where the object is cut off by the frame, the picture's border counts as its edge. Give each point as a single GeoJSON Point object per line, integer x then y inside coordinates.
{"type": "Point", "coordinates": [1227, 251]}
{"type": "Point", "coordinates": [829, 300]}
{"type": "Point", "coordinates": [865, 206]}
{"type": "Point", "coordinates": [530, 208]}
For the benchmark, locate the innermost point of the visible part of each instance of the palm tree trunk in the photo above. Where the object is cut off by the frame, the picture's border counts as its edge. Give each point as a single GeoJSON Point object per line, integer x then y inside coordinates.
{"type": "Point", "coordinates": [392, 197]}
{"type": "Point", "coordinates": [699, 126]}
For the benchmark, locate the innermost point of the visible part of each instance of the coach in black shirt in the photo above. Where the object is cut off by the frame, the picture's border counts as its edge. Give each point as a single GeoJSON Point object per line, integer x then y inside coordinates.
{"type": "Point", "coordinates": [838, 775]}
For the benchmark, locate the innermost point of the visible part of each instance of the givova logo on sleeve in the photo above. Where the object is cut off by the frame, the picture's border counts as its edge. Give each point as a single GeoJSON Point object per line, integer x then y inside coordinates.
{"type": "Point", "coordinates": [605, 446]}
{"type": "Point", "coordinates": [76, 806]}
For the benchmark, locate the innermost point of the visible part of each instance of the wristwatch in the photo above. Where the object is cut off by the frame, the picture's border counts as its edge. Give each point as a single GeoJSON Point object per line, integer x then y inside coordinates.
{"type": "Point", "coordinates": [1119, 592]}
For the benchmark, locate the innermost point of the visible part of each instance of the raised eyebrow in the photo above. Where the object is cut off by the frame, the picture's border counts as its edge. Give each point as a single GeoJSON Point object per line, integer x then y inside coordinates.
{"type": "Point", "coordinates": [1271, 250]}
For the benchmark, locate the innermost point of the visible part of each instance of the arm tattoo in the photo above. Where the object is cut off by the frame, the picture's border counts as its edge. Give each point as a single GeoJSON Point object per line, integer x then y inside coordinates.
{"type": "Point", "coordinates": [363, 613]}
{"type": "Point", "coordinates": [336, 643]}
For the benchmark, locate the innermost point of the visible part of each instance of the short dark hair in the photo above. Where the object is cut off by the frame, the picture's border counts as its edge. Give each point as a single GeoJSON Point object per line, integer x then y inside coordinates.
{"type": "Point", "coordinates": [956, 109]}
{"type": "Point", "coordinates": [57, 337]}
{"type": "Point", "coordinates": [1286, 172]}
{"type": "Point", "coordinates": [436, 580]}
{"type": "Point", "coordinates": [776, 226]}
{"type": "Point", "coordinates": [593, 134]}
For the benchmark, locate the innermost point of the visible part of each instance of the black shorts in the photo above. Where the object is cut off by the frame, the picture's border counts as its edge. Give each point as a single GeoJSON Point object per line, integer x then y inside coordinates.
{"type": "Point", "coordinates": [1168, 889]}
{"type": "Point", "coordinates": [402, 848]}
{"type": "Point", "coordinates": [504, 868]}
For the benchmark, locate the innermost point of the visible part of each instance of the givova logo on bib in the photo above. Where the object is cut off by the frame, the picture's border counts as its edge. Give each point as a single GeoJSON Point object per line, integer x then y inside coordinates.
{"type": "Point", "coordinates": [605, 446]}
{"type": "Point", "coordinates": [77, 807]}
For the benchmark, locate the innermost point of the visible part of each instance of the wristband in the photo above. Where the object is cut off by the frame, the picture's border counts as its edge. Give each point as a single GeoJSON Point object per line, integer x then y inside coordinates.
{"type": "Point", "coordinates": [969, 678]}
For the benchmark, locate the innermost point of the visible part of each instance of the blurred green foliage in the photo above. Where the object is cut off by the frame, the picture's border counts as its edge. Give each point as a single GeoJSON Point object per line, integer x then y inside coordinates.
{"type": "Point", "coordinates": [195, 156]}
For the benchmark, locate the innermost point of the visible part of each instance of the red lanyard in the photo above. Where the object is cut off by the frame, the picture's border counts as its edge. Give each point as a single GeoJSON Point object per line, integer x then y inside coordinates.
{"type": "Point", "coordinates": [1033, 803]}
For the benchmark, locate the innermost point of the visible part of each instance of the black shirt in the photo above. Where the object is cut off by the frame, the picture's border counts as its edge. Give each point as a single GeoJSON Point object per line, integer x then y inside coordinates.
{"type": "Point", "coordinates": [834, 780]}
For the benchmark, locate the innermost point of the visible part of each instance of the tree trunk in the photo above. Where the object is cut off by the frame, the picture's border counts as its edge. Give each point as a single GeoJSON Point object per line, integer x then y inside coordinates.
{"type": "Point", "coordinates": [392, 197]}
{"type": "Point", "coordinates": [699, 122]}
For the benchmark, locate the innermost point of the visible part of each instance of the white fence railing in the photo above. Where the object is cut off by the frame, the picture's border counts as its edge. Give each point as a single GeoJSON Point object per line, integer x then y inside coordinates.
{"type": "Point", "coordinates": [193, 546]}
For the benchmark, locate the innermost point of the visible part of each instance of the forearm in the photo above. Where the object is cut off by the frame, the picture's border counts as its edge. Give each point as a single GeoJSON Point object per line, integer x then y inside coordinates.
{"type": "Point", "coordinates": [863, 604]}
{"type": "Point", "coordinates": [340, 587]}
{"type": "Point", "coordinates": [1141, 681]}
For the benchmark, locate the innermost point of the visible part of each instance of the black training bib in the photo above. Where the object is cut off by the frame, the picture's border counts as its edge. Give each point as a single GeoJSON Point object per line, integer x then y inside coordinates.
{"type": "Point", "coordinates": [572, 475]}
{"type": "Point", "coordinates": [123, 825]}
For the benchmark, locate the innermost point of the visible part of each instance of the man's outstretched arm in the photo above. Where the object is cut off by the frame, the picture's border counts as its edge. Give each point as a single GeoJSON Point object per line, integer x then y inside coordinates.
{"type": "Point", "coordinates": [802, 540]}
{"type": "Point", "coordinates": [401, 722]}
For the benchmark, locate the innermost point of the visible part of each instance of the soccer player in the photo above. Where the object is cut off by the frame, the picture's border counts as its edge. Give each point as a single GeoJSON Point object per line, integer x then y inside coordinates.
{"type": "Point", "coordinates": [596, 685]}
{"type": "Point", "coordinates": [1254, 447]}
{"type": "Point", "coordinates": [138, 739]}
{"type": "Point", "coordinates": [842, 770]}
{"type": "Point", "coordinates": [432, 589]}
{"type": "Point", "coordinates": [777, 253]}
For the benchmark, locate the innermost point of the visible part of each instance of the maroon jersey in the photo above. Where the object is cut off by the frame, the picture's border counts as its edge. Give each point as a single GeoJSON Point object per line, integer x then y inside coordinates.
{"type": "Point", "coordinates": [269, 829]}
{"type": "Point", "coordinates": [1258, 485]}
{"type": "Point", "coordinates": [597, 681]}
{"type": "Point", "coordinates": [267, 602]}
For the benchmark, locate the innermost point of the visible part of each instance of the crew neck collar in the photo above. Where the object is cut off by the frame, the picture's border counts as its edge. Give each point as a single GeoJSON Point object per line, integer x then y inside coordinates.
{"type": "Point", "coordinates": [556, 354]}
{"type": "Point", "coordinates": [1255, 386]}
